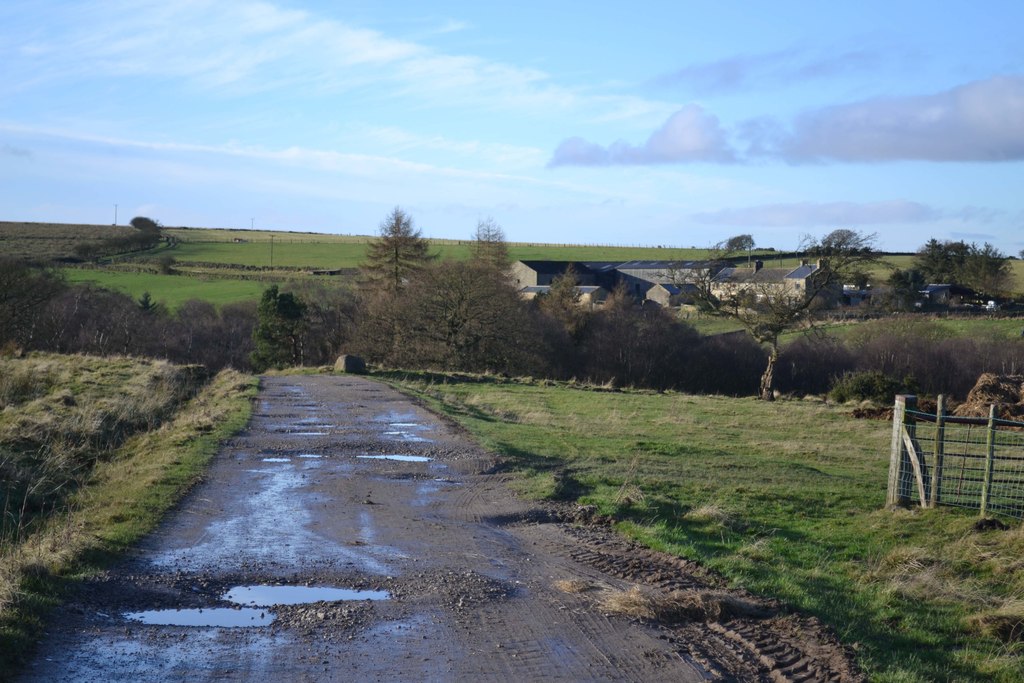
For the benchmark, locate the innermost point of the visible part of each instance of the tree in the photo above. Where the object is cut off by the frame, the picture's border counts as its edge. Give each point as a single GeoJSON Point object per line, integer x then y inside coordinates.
{"type": "Point", "coordinates": [280, 323]}
{"type": "Point", "coordinates": [489, 245]}
{"type": "Point", "coordinates": [906, 286]}
{"type": "Point", "coordinates": [144, 224]}
{"type": "Point", "coordinates": [766, 310]}
{"type": "Point", "coordinates": [24, 292]}
{"type": "Point", "coordinates": [740, 243]}
{"type": "Point", "coordinates": [984, 269]}
{"type": "Point", "coordinates": [464, 316]}
{"type": "Point", "coordinates": [399, 251]}
{"type": "Point", "coordinates": [562, 303]}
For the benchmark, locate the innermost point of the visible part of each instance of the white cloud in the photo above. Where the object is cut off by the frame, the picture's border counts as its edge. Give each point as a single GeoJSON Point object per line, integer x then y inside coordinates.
{"type": "Point", "coordinates": [980, 121]}
{"type": "Point", "coordinates": [691, 134]}
{"type": "Point", "coordinates": [817, 214]}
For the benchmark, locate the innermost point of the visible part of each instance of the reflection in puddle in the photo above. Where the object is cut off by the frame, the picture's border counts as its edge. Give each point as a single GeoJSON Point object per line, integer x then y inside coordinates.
{"type": "Point", "coordinates": [265, 596]}
{"type": "Point", "coordinates": [401, 458]}
{"type": "Point", "coordinates": [277, 459]}
{"type": "Point", "coordinates": [218, 616]}
{"type": "Point", "coordinates": [310, 456]}
{"type": "Point", "coordinates": [307, 433]}
{"type": "Point", "coordinates": [406, 424]}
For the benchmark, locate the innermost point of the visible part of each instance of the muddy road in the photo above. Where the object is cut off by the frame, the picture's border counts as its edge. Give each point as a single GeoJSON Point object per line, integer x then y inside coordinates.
{"type": "Point", "coordinates": [350, 535]}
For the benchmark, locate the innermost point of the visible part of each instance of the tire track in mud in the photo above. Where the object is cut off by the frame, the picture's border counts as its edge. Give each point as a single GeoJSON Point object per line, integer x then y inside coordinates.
{"type": "Point", "coordinates": [342, 482]}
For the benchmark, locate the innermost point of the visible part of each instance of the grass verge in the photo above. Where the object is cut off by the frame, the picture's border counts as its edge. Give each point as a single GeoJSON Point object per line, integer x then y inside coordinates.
{"type": "Point", "coordinates": [124, 497]}
{"type": "Point", "coordinates": [784, 499]}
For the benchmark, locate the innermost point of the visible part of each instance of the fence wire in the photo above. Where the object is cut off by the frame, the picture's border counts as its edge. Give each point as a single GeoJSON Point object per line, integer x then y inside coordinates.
{"type": "Point", "coordinates": [961, 462]}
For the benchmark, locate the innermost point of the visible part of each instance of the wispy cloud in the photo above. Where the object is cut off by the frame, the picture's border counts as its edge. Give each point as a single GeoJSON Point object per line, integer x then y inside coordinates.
{"type": "Point", "coordinates": [769, 69]}
{"type": "Point", "coordinates": [815, 214]}
{"type": "Point", "coordinates": [689, 135]}
{"type": "Point", "coordinates": [979, 121]}
{"type": "Point", "coordinates": [232, 47]}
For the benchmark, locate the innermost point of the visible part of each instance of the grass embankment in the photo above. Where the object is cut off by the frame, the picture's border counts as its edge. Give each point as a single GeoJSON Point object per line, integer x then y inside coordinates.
{"type": "Point", "coordinates": [782, 498]}
{"type": "Point", "coordinates": [94, 451]}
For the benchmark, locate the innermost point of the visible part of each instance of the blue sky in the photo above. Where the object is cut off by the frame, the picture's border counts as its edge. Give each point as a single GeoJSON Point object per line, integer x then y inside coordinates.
{"type": "Point", "coordinates": [656, 123]}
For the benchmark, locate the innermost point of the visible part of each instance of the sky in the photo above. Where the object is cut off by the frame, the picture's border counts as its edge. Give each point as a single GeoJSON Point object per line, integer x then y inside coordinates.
{"type": "Point", "coordinates": [676, 123]}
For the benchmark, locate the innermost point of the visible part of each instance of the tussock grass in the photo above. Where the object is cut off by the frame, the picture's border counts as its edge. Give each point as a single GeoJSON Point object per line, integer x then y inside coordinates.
{"type": "Point", "coordinates": [676, 606]}
{"type": "Point", "coordinates": [1005, 622]}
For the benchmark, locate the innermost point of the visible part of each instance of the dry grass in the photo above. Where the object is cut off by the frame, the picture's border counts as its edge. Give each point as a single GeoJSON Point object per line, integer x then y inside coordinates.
{"type": "Point", "coordinates": [677, 606]}
{"type": "Point", "coordinates": [711, 513]}
{"type": "Point", "coordinates": [123, 498]}
{"type": "Point", "coordinates": [1005, 622]}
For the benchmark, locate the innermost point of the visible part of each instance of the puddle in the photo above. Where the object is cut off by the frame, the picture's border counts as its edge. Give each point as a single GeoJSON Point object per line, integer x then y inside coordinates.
{"type": "Point", "coordinates": [225, 617]}
{"type": "Point", "coordinates": [401, 458]}
{"type": "Point", "coordinates": [306, 433]}
{"type": "Point", "coordinates": [406, 424]}
{"type": "Point", "coordinates": [277, 459]}
{"type": "Point", "coordinates": [265, 596]}
{"type": "Point", "coordinates": [310, 456]}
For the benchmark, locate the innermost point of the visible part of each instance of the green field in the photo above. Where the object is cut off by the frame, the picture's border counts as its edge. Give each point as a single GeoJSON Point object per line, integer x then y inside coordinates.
{"type": "Point", "coordinates": [784, 498]}
{"type": "Point", "coordinates": [170, 290]}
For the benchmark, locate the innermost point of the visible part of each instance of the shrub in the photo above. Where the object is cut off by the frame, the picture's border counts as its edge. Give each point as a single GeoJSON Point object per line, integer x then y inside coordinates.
{"type": "Point", "coordinates": [870, 386]}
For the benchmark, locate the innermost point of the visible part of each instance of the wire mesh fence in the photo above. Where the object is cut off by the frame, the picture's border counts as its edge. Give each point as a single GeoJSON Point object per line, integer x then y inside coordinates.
{"type": "Point", "coordinates": [938, 459]}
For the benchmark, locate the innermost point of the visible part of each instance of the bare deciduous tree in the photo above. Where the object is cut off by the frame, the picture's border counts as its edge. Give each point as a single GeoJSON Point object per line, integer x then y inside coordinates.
{"type": "Point", "coordinates": [766, 308]}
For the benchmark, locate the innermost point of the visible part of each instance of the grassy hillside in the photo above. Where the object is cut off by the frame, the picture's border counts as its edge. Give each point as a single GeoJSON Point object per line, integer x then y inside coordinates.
{"type": "Point", "coordinates": [783, 498]}
{"type": "Point", "coordinates": [93, 451]}
{"type": "Point", "coordinates": [46, 241]}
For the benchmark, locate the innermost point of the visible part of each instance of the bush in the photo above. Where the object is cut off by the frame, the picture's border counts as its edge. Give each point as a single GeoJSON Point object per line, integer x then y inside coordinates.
{"type": "Point", "coordinates": [870, 386]}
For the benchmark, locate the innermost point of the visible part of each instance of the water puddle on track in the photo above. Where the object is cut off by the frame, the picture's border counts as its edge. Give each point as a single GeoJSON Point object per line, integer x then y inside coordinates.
{"type": "Point", "coordinates": [277, 459]}
{"type": "Point", "coordinates": [266, 596]}
{"type": "Point", "coordinates": [223, 617]}
{"type": "Point", "coordinates": [400, 458]}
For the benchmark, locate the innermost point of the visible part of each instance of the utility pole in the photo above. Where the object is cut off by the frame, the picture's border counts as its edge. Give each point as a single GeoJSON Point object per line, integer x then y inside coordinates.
{"type": "Point", "coordinates": [115, 214]}
{"type": "Point", "coordinates": [252, 223]}
{"type": "Point", "coordinates": [271, 252]}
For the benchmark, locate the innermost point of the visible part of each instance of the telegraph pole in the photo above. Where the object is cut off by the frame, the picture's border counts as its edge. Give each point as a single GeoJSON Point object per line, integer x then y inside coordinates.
{"type": "Point", "coordinates": [115, 214]}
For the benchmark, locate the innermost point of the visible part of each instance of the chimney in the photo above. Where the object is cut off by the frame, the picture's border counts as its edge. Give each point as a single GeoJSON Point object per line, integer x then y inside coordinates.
{"type": "Point", "coordinates": [803, 262]}
{"type": "Point", "coordinates": [758, 265]}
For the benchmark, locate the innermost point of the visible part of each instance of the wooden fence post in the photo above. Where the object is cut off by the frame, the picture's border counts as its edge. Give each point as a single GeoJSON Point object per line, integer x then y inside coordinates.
{"type": "Point", "coordinates": [935, 496]}
{"type": "Point", "coordinates": [990, 451]}
{"type": "Point", "coordinates": [897, 462]}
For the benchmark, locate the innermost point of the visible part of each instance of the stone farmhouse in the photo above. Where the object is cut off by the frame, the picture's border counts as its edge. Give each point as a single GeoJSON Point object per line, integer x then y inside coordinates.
{"type": "Point", "coordinates": [760, 282]}
{"type": "Point", "coordinates": [660, 282]}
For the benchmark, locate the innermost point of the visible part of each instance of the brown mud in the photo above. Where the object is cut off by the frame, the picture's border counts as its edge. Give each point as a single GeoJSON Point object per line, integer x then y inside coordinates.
{"type": "Point", "coordinates": [479, 585]}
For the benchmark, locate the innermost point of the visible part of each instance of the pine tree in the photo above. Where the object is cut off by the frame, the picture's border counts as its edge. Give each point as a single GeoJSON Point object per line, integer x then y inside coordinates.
{"type": "Point", "coordinates": [398, 253]}
{"type": "Point", "coordinates": [280, 322]}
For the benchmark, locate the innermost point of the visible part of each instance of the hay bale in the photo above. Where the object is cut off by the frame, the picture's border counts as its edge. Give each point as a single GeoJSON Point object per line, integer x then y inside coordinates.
{"type": "Point", "coordinates": [350, 364]}
{"type": "Point", "coordinates": [1006, 391]}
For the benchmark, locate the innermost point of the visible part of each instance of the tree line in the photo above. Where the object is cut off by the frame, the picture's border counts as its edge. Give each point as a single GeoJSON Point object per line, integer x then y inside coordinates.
{"type": "Point", "coordinates": [410, 309]}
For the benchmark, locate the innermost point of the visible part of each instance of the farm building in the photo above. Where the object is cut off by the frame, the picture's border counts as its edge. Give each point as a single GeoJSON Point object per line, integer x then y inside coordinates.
{"type": "Point", "coordinates": [760, 282]}
{"type": "Point", "coordinates": [589, 295]}
{"type": "Point", "coordinates": [639, 277]}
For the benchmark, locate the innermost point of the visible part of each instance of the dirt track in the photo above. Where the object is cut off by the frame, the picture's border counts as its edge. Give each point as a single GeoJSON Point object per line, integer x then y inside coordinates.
{"type": "Point", "coordinates": [473, 574]}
